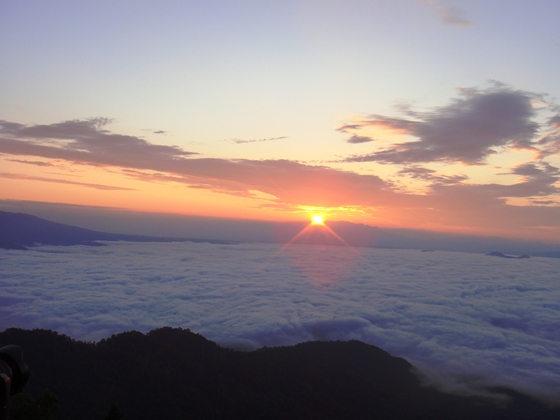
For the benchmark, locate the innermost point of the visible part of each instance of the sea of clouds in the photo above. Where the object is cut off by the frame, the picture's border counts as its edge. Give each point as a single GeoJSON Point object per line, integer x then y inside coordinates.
{"type": "Point", "coordinates": [468, 321]}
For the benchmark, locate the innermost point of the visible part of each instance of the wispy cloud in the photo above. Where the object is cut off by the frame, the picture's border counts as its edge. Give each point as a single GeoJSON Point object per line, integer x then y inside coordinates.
{"type": "Point", "coordinates": [359, 139]}
{"type": "Point", "coordinates": [546, 202]}
{"type": "Point", "coordinates": [86, 142]}
{"type": "Point", "coordinates": [241, 141]}
{"type": "Point", "coordinates": [31, 162]}
{"type": "Point", "coordinates": [453, 16]}
{"type": "Point", "coordinates": [550, 140]}
{"type": "Point", "coordinates": [354, 139]}
{"type": "Point", "coordinates": [63, 181]}
{"type": "Point", "coordinates": [432, 176]}
{"type": "Point", "coordinates": [449, 13]}
{"type": "Point", "coordinates": [83, 140]}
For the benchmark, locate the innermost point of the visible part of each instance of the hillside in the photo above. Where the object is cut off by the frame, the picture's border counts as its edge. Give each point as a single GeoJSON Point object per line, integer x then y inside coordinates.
{"type": "Point", "coordinates": [176, 374]}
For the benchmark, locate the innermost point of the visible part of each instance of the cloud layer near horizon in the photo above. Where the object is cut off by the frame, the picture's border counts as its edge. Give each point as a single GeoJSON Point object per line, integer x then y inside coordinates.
{"type": "Point", "coordinates": [467, 320]}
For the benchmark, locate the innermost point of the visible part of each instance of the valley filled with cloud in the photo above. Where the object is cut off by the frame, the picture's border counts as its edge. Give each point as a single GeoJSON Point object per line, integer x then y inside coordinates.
{"type": "Point", "coordinates": [467, 321]}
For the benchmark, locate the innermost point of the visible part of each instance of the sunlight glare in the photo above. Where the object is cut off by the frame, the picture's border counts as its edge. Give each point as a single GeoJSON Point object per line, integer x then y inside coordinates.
{"type": "Point", "coordinates": [318, 220]}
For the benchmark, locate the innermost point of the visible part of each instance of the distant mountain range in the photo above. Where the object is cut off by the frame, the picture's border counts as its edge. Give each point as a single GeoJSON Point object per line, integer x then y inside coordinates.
{"type": "Point", "coordinates": [176, 374]}
{"type": "Point", "coordinates": [20, 231]}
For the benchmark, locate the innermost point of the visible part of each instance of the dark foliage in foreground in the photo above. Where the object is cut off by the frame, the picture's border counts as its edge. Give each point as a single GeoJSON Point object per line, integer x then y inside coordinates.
{"type": "Point", "coordinates": [175, 374]}
{"type": "Point", "coordinates": [25, 407]}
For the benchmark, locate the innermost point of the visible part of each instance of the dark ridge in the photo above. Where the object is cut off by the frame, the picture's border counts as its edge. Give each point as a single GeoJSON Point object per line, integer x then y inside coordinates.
{"type": "Point", "coordinates": [19, 231]}
{"type": "Point", "coordinates": [176, 374]}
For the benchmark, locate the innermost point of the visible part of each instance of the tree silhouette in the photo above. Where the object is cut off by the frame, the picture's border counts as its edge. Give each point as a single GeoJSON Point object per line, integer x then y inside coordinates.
{"type": "Point", "coordinates": [114, 413]}
{"type": "Point", "coordinates": [41, 408]}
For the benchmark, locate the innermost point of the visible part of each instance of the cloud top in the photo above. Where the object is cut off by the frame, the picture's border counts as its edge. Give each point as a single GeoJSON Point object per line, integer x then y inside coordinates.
{"type": "Point", "coordinates": [456, 316]}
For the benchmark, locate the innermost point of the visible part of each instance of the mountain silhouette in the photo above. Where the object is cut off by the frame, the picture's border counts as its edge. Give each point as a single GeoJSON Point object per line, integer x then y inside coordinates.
{"type": "Point", "coordinates": [19, 231]}
{"type": "Point", "coordinates": [172, 373]}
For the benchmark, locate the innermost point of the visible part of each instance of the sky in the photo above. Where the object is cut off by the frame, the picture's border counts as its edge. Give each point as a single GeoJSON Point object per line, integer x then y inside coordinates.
{"type": "Point", "coordinates": [467, 321]}
{"type": "Point", "coordinates": [425, 114]}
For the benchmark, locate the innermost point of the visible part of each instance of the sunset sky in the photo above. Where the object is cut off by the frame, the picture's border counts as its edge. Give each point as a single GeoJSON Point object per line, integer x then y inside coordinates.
{"type": "Point", "coordinates": [424, 114]}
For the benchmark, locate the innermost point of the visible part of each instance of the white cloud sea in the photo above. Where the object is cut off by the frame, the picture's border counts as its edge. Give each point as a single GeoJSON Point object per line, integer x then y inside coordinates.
{"type": "Point", "coordinates": [467, 320]}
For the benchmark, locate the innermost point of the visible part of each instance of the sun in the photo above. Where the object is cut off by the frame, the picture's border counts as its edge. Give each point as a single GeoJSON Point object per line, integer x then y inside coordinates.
{"type": "Point", "coordinates": [317, 220]}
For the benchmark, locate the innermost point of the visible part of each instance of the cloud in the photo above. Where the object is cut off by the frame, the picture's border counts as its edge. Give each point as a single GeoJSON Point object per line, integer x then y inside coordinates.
{"type": "Point", "coordinates": [538, 179]}
{"type": "Point", "coordinates": [453, 16]}
{"type": "Point", "coordinates": [63, 181]}
{"type": "Point", "coordinates": [86, 142]}
{"type": "Point", "coordinates": [468, 130]}
{"type": "Point", "coordinates": [240, 141]}
{"type": "Point", "coordinates": [555, 121]}
{"type": "Point", "coordinates": [546, 202]}
{"type": "Point", "coordinates": [83, 141]}
{"type": "Point", "coordinates": [448, 13]}
{"type": "Point", "coordinates": [551, 139]}
{"type": "Point", "coordinates": [359, 139]}
{"type": "Point", "coordinates": [456, 316]}
{"type": "Point", "coordinates": [431, 176]}
{"type": "Point", "coordinates": [34, 162]}
{"type": "Point", "coordinates": [346, 128]}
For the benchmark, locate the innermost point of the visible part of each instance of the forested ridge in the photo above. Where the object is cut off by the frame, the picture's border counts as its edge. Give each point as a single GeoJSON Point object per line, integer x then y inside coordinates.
{"type": "Point", "coordinates": [173, 373]}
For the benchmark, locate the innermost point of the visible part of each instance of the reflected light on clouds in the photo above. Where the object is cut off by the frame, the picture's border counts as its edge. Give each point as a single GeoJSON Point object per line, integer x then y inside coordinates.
{"type": "Point", "coordinates": [316, 263]}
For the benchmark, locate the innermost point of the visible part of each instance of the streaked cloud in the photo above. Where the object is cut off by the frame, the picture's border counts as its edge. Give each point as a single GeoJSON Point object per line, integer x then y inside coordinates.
{"type": "Point", "coordinates": [32, 162]}
{"type": "Point", "coordinates": [359, 139]}
{"type": "Point", "coordinates": [432, 176]}
{"type": "Point", "coordinates": [456, 316]}
{"type": "Point", "coordinates": [86, 142]}
{"type": "Point", "coordinates": [546, 202]}
{"type": "Point", "coordinates": [63, 181]}
{"type": "Point", "coordinates": [241, 141]}
{"type": "Point", "coordinates": [550, 140]}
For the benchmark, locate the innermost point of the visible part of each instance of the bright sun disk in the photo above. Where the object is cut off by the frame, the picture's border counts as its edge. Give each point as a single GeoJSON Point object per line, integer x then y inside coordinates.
{"type": "Point", "coordinates": [318, 220]}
